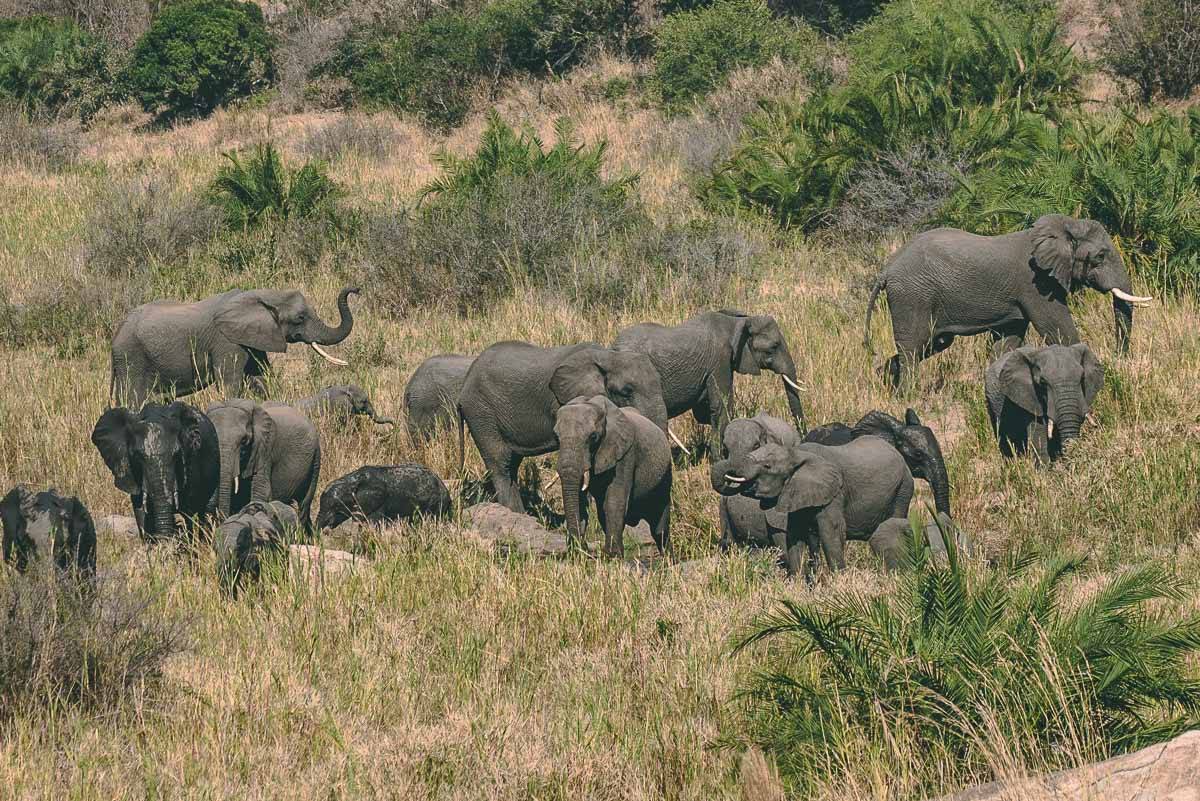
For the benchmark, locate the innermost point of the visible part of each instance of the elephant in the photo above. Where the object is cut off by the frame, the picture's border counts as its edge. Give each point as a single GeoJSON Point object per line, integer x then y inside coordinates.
{"type": "Point", "coordinates": [623, 461]}
{"type": "Point", "coordinates": [274, 446]}
{"type": "Point", "coordinates": [431, 395]}
{"type": "Point", "coordinates": [1038, 397]}
{"type": "Point", "coordinates": [513, 391]}
{"type": "Point", "coordinates": [384, 493]}
{"type": "Point", "coordinates": [814, 495]}
{"type": "Point", "coordinates": [697, 359]}
{"type": "Point", "coordinates": [247, 539]}
{"type": "Point", "coordinates": [48, 526]}
{"type": "Point", "coordinates": [947, 283]}
{"type": "Point", "coordinates": [176, 349]}
{"type": "Point", "coordinates": [167, 459]}
{"type": "Point", "coordinates": [341, 402]}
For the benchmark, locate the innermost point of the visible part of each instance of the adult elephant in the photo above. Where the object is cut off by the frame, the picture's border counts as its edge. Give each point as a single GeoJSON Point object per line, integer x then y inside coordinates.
{"type": "Point", "coordinates": [166, 458]}
{"type": "Point", "coordinates": [275, 447]}
{"type": "Point", "coordinates": [513, 391]}
{"type": "Point", "coordinates": [179, 348]}
{"type": "Point", "coordinates": [697, 359]}
{"type": "Point", "coordinates": [947, 283]}
{"type": "Point", "coordinates": [431, 395]}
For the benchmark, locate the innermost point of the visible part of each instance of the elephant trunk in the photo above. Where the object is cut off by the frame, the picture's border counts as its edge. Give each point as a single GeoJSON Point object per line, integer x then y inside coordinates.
{"type": "Point", "coordinates": [1069, 415]}
{"type": "Point", "coordinates": [785, 367]}
{"type": "Point", "coordinates": [160, 494]}
{"type": "Point", "coordinates": [571, 467]}
{"type": "Point", "coordinates": [322, 334]}
{"type": "Point", "coordinates": [939, 481]}
{"type": "Point", "coordinates": [1123, 319]}
{"type": "Point", "coordinates": [229, 468]}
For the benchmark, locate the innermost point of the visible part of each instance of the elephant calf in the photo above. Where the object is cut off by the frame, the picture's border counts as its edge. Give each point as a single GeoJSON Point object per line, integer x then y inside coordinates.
{"type": "Point", "coordinates": [431, 395]}
{"type": "Point", "coordinates": [1037, 398]}
{"type": "Point", "coordinates": [341, 402]}
{"type": "Point", "coordinates": [379, 494]}
{"type": "Point", "coordinates": [623, 461]}
{"type": "Point", "coordinates": [46, 526]}
{"type": "Point", "coordinates": [246, 539]}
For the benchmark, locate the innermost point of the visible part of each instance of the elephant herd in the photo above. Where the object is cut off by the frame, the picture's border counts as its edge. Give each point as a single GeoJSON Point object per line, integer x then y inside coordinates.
{"type": "Point", "coordinates": [252, 466]}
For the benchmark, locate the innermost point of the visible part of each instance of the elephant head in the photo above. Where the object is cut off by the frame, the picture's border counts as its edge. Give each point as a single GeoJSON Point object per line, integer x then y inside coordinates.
{"type": "Point", "coordinates": [45, 525]}
{"type": "Point", "coordinates": [593, 436]}
{"type": "Point", "coordinates": [245, 538]}
{"type": "Point", "coordinates": [246, 434]}
{"type": "Point", "coordinates": [150, 455]}
{"type": "Point", "coordinates": [625, 378]}
{"type": "Point", "coordinates": [1056, 384]}
{"type": "Point", "coordinates": [268, 319]}
{"type": "Point", "coordinates": [747, 434]}
{"type": "Point", "coordinates": [361, 404]}
{"type": "Point", "coordinates": [358, 493]}
{"type": "Point", "coordinates": [785, 480]}
{"type": "Point", "coordinates": [1078, 253]}
{"type": "Point", "coordinates": [758, 345]}
{"type": "Point", "coordinates": [917, 444]}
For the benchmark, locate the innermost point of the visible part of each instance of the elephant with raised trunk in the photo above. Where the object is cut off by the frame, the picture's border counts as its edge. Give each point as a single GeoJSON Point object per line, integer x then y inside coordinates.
{"type": "Point", "coordinates": [623, 461]}
{"type": "Point", "coordinates": [1037, 398]}
{"type": "Point", "coordinates": [175, 349]}
{"type": "Point", "coordinates": [431, 395]}
{"type": "Point", "coordinates": [697, 359]}
{"type": "Point", "coordinates": [269, 452]}
{"type": "Point", "coordinates": [341, 402]}
{"type": "Point", "coordinates": [513, 391]}
{"type": "Point", "coordinates": [47, 527]}
{"type": "Point", "coordinates": [947, 283]}
{"type": "Point", "coordinates": [167, 459]}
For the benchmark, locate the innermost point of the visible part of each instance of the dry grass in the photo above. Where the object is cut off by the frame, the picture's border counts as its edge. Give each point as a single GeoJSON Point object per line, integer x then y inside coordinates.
{"type": "Point", "coordinates": [442, 671]}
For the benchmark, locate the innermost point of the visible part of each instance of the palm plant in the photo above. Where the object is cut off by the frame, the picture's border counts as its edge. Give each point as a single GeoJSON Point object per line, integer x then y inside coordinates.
{"type": "Point", "coordinates": [955, 656]}
{"type": "Point", "coordinates": [262, 188]}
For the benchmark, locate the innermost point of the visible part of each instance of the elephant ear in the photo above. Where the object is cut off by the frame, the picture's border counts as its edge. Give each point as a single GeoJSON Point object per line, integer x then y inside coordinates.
{"type": "Point", "coordinates": [258, 466]}
{"type": "Point", "coordinates": [82, 533]}
{"type": "Point", "coordinates": [1055, 237]}
{"type": "Point", "coordinates": [10, 517]}
{"type": "Point", "coordinates": [739, 343]}
{"type": "Point", "coordinates": [815, 482]}
{"type": "Point", "coordinates": [248, 319]}
{"type": "Point", "coordinates": [911, 418]}
{"type": "Point", "coordinates": [1016, 381]}
{"type": "Point", "coordinates": [617, 440]}
{"type": "Point", "coordinates": [879, 424]}
{"type": "Point", "coordinates": [1093, 372]}
{"type": "Point", "coordinates": [111, 437]}
{"type": "Point", "coordinates": [190, 436]}
{"type": "Point", "coordinates": [578, 374]}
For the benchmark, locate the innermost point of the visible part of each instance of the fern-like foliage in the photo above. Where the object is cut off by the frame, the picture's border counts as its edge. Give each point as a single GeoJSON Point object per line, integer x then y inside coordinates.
{"type": "Point", "coordinates": [261, 188]}
{"type": "Point", "coordinates": [955, 655]}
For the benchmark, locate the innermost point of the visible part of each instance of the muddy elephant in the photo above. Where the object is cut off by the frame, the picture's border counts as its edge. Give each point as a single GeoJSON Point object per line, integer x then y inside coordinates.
{"type": "Point", "coordinates": [380, 494]}
{"type": "Point", "coordinates": [340, 403]}
{"type": "Point", "coordinates": [269, 452]}
{"type": "Point", "coordinates": [947, 283]}
{"type": "Point", "coordinates": [247, 539]}
{"type": "Point", "coordinates": [174, 349]}
{"type": "Point", "coordinates": [431, 395]}
{"type": "Point", "coordinates": [50, 528]}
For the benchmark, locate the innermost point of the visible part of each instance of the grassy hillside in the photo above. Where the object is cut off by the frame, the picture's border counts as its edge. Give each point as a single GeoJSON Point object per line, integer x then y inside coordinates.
{"type": "Point", "coordinates": [442, 670]}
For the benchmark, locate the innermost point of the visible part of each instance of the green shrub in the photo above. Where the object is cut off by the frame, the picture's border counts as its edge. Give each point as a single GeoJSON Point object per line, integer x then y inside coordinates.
{"type": "Point", "coordinates": [925, 677]}
{"type": "Point", "coordinates": [828, 16]}
{"type": "Point", "coordinates": [696, 50]}
{"type": "Point", "coordinates": [261, 189]}
{"type": "Point", "coordinates": [54, 65]}
{"type": "Point", "coordinates": [199, 55]}
{"type": "Point", "coordinates": [1156, 44]}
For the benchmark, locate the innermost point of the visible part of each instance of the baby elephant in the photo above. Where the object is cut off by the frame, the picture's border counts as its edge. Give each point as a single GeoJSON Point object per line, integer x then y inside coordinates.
{"type": "Point", "coordinates": [47, 526]}
{"type": "Point", "coordinates": [624, 461]}
{"type": "Point", "coordinates": [341, 402]}
{"type": "Point", "coordinates": [245, 539]}
{"type": "Point", "coordinates": [1037, 397]}
{"type": "Point", "coordinates": [379, 494]}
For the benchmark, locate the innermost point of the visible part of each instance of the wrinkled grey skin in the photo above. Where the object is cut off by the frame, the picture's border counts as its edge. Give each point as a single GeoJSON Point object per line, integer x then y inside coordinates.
{"type": "Point", "coordinates": [1029, 387]}
{"type": "Point", "coordinates": [341, 402]}
{"type": "Point", "coordinates": [513, 391]}
{"type": "Point", "coordinates": [431, 395]}
{"type": "Point", "coordinates": [627, 460]}
{"type": "Point", "coordinates": [48, 526]}
{"type": "Point", "coordinates": [174, 349]}
{"type": "Point", "coordinates": [384, 493]}
{"type": "Point", "coordinates": [271, 451]}
{"type": "Point", "coordinates": [888, 541]}
{"type": "Point", "coordinates": [815, 495]}
{"type": "Point", "coordinates": [698, 358]}
{"type": "Point", "coordinates": [246, 539]}
{"type": "Point", "coordinates": [947, 283]}
{"type": "Point", "coordinates": [166, 458]}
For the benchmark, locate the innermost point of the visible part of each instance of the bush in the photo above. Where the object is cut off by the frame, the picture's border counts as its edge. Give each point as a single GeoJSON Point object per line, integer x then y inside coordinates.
{"type": "Point", "coordinates": [373, 137]}
{"type": "Point", "coordinates": [1156, 44]}
{"type": "Point", "coordinates": [199, 55]}
{"type": "Point", "coordinates": [37, 143]}
{"type": "Point", "coordinates": [66, 644]}
{"type": "Point", "coordinates": [697, 50]}
{"type": "Point", "coordinates": [954, 659]}
{"type": "Point", "coordinates": [53, 65]}
{"type": "Point", "coordinates": [261, 189]}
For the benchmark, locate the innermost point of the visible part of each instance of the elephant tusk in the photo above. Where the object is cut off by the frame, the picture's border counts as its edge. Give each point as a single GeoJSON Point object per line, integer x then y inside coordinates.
{"type": "Point", "coordinates": [1049, 429]}
{"type": "Point", "coordinates": [327, 357]}
{"type": "Point", "coordinates": [675, 439]}
{"type": "Point", "coordinates": [793, 384]}
{"type": "Point", "coordinates": [732, 479]}
{"type": "Point", "coordinates": [235, 483]}
{"type": "Point", "coordinates": [586, 475]}
{"type": "Point", "coordinates": [1134, 299]}
{"type": "Point", "coordinates": [553, 481]}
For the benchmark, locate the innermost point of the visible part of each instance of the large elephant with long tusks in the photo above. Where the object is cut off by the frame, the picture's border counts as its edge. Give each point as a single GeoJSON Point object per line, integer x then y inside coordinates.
{"type": "Point", "coordinates": [947, 283]}
{"type": "Point", "coordinates": [174, 349]}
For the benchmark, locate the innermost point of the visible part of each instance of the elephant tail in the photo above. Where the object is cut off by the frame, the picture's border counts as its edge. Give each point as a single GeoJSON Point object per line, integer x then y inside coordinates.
{"type": "Point", "coordinates": [880, 285]}
{"type": "Point", "coordinates": [462, 452]}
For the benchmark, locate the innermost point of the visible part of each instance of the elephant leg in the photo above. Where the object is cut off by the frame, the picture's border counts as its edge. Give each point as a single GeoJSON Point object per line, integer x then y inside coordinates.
{"type": "Point", "coordinates": [254, 373]}
{"type": "Point", "coordinates": [307, 499]}
{"type": "Point", "coordinates": [616, 506]}
{"type": "Point", "coordinates": [726, 541]}
{"type": "Point", "coordinates": [888, 544]}
{"type": "Point", "coordinates": [1054, 322]}
{"type": "Point", "coordinates": [903, 497]}
{"type": "Point", "coordinates": [1008, 339]}
{"type": "Point", "coordinates": [813, 543]}
{"type": "Point", "coordinates": [787, 557]}
{"type": "Point", "coordinates": [660, 530]}
{"type": "Point", "coordinates": [831, 529]}
{"type": "Point", "coordinates": [719, 392]}
{"type": "Point", "coordinates": [230, 369]}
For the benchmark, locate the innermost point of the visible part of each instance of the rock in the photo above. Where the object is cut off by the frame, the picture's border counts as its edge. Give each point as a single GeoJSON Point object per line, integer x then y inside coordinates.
{"type": "Point", "coordinates": [513, 531]}
{"type": "Point", "coordinates": [314, 563]}
{"type": "Point", "coordinates": [639, 535]}
{"type": "Point", "coordinates": [1166, 772]}
{"type": "Point", "coordinates": [118, 525]}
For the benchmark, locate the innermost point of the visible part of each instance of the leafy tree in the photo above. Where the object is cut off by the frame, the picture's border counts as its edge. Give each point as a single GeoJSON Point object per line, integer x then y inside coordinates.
{"type": "Point", "coordinates": [54, 65]}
